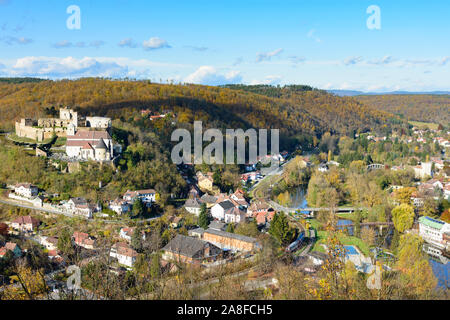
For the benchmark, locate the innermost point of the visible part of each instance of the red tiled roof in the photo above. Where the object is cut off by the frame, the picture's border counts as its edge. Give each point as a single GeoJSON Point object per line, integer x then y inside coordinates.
{"type": "Point", "coordinates": [27, 220]}
{"type": "Point", "coordinates": [87, 146]}
{"type": "Point", "coordinates": [89, 135]}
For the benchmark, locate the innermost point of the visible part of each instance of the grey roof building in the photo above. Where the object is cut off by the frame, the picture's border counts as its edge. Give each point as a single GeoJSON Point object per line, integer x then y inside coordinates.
{"type": "Point", "coordinates": [188, 249]}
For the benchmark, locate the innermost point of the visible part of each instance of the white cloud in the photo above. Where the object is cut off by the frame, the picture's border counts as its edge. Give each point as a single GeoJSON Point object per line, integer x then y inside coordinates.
{"type": "Point", "coordinates": [210, 76]}
{"type": "Point", "coordinates": [272, 79]}
{"type": "Point", "coordinates": [268, 55]}
{"type": "Point", "coordinates": [312, 35]}
{"type": "Point", "coordinates": [197, 48]}
{"type": "Point", "coordinates": [155, 43]}
{"type": "Point", "coordinates": [63, 44]}
{"type": "Point", "coordinates": [352, 60]}
{"type": "Point", "coordinates": [382, 61]}
{"type": "Point", "coordinates": [127, 42]}
{"type": "Point", "coordinates": [66, 68]}
{"type": "Point", "coordinates": [16, 40]}
{"type": "Point", "coordinates": [444, 61]}
{"type": "Point", "coordinates": [295, 59]}
{"type": "Point", "coordinates": [67, 44]}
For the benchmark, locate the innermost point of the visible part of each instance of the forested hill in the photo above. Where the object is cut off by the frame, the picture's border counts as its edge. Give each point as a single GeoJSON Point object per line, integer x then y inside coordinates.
{"type": "Point", "coordinates": [417, 107]}
{"type": "Point", "coordinates": [303, 112]}
{"type": "Point", "coordinates": [271, 91]}
{"type": "Point", "coordinates": [20, 80]}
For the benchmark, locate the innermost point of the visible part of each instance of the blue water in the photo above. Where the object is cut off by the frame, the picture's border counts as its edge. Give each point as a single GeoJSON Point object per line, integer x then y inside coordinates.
{"type": "Point", "coordinates": [349, 250]}
{"type": "Point", "coordinates": [298, 199]}
{"type": "Point", "coordinates": [441, 272]}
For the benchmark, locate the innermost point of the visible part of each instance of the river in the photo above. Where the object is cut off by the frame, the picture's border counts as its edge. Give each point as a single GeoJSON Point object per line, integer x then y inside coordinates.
{"type": "Point", "coordinates": [440, 270]}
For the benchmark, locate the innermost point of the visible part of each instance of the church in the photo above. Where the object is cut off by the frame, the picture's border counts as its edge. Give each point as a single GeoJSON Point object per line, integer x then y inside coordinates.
{"type": "Point", "coordinates": [90, 145]}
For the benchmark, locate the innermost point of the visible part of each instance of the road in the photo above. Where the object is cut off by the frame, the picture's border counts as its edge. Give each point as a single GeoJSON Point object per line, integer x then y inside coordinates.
{"type": "Point", "coordinates": [17, 204]}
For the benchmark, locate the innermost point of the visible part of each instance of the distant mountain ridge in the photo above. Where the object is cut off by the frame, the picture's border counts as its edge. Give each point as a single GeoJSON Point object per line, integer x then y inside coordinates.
{"type": "Point", "coordinates": [344, 93]}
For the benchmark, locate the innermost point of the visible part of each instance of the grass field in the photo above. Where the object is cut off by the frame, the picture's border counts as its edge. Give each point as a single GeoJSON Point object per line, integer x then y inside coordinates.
{"type": "Point", "coordinates": [345, 239]}
{"type": "Point", "coordinates": [16, 138]}
{"type": "Point", "coordinates": [429, 125]}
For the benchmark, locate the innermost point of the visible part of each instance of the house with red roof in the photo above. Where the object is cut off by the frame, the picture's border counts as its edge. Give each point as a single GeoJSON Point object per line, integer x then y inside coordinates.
{"type": "Point", "coordinates": [83, 240]}
{"type": "Point", "coordinates": [90, 145]}
{"type": "Point", "coordinates": [26, 223]}
{"type": "Point", "coordinates": [124, 254]}
{"type": "Point", "coordinates": [10, 246]}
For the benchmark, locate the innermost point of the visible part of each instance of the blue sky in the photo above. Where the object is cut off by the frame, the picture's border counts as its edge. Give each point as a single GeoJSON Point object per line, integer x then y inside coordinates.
{"type": "Point", "coordinates": [322, 43]}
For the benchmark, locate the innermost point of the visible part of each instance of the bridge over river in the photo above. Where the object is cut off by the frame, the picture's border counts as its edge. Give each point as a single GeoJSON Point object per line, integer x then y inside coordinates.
{"type": "Point", "coordinates": [279, 207]}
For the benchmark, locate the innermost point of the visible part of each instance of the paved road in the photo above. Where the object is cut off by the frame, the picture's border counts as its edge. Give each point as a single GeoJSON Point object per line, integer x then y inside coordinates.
{"type": "Point", "coordinates": [16, 204]}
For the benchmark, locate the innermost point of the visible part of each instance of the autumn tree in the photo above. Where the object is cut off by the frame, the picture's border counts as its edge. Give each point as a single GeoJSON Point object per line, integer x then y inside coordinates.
{"type": "Point", "coordinates": [403, 217]}
{"type": "Point", "coordinates": [417, 274]}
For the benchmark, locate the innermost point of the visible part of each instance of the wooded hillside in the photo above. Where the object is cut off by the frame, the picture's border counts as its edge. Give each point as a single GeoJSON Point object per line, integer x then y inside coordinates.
{"type": "Point", "coordinates": [417, 107]}
{"type": "Point", "coordinates": [296, 111]}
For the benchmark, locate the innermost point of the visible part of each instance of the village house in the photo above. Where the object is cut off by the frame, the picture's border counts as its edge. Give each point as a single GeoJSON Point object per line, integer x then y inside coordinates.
{"type": "Point", "coordinates": [256, 207]}
{"type": "Point", "coordinates": [53, 256]}
{"type": "Point", "coordinates": [423, 170]}
{"type": "Point", "coordinates": [25, 224]}
{"type": "Point", "coordinates": [120, 206]}
{"type": "Point", "coordinates": [231, 241]}
{"type": "Point", "coordinates": [147, 196]}
{"type": "Point", "coordinates": [124, 254]}
{"type": "Point", "coordinates": [127, 232]}
{"type": "Point", "coordinates": [447, 191]}
{"type": "Point", "coordinates": [83, 240]}
{"type": "Point", "coordinates": [438, 163]}
{"type": "Point", "coordinates": [219, 209]}
{"type": "Point", "coordinates": [26, 190]}
{"type": "Point", "coordinates": [197, 233]}
{"type": "Point", "coordinates": [13, 247]}
{"type": "Point", "coordinates": [205, 181]}
{"type": "Point", "coordinates": [432, 187]}
{"type": "Point", "coordinates": [432, 231]}
{"type": "Point", "coordinates": [263, 218]}
{"type": "Point", "coordinates": [190, 250]}
{"type": "Point", "coordinates": [234, 215]}
{"type": "Point", "coordinates": [175, 222]}
{"type": "Point", "coordinates": [193, 192]}
{"type": "Point", "coordinates": [238, 197]}
{"type": "Point", "coordinates": [193, 206]}
{"type": "Point", "coordinates": [251, 176]}
{"type": "Point", "coordinates": [208, 200]}
{"type": "Point", "coordinates": [442, 142]}
{"type": "Point", "coordinates": [79, 206]}
{"type": "Point", "coordinates": [50, 243]}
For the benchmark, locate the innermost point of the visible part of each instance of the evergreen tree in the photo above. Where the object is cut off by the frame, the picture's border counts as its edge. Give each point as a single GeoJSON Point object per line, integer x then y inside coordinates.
{"type": "Point", "coordinates": [280, 229]}
{"type": "Point", "coordinates": [155, 266]}
{"type": "Point", "coordinates": [203, 218]}
{"type": "Point", "coordinates": [136, 239]}
{"type": "Point", "coordinates": [138, 208]}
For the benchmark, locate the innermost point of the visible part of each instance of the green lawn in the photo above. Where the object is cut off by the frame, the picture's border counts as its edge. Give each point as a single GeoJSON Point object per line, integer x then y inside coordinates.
{"type": "Point", "coordinates": [430, 125]}
{"type": "Point", "coordinates": [345, 240]}
{"type": "Point", "coordinates": [16, 138]}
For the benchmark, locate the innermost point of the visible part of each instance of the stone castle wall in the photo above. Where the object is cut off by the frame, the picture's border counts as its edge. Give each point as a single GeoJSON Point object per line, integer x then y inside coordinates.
{"type": "Point", "coordinates": [38, 134]}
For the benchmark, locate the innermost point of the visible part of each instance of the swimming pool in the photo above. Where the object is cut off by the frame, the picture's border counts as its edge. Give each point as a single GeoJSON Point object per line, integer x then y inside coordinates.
{"type": "Point", "coordinates": [349, 250]}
